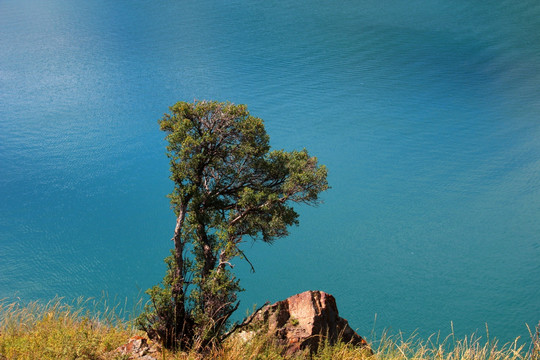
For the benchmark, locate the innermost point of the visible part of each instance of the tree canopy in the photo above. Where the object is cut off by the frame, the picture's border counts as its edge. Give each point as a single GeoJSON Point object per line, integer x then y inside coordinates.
{"type": "Point", "coordinates": [229, 185]}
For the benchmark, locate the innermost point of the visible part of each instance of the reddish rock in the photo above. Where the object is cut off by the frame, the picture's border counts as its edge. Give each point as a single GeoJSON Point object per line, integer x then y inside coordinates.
{"type": "Point", "coordinates": [137, 348]}
{"type": "Point", "coordinates": [304, 320]}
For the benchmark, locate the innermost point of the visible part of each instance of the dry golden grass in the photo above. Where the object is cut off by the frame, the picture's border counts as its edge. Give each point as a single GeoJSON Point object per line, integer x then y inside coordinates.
{"type": "Point", "coordinates": [468, 348]}
{"type": "Point", "coordinates": [59, 331]}
{"type": "Point", "coordinates": [387, 347]}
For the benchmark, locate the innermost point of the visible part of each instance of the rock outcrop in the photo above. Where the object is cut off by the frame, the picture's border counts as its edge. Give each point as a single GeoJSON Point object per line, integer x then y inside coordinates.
{"type": "Point", "coordinates": [137, 348]}
{"type": "Point", "coordinates": [303, 321]}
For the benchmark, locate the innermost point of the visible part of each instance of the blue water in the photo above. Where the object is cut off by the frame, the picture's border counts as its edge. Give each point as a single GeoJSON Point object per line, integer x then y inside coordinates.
{"type": "Point", "coordinates": [425, 112]}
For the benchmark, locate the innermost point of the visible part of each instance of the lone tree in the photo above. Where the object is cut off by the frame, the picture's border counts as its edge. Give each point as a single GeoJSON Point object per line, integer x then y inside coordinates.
{"type": "Point", "coordinates": [228, 185]}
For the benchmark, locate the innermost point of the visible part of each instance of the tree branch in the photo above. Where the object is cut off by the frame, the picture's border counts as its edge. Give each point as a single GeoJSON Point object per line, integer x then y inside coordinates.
{"type": "Point", "coordinates": [244, 323]}
{"type": "Point", "coordinates": [258, 207]}
{"type": "Point", "coordinates": [245, 257]}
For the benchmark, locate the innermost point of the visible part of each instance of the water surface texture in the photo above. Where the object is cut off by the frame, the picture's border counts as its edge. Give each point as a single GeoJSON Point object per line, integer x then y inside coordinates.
{"type": "Point", "coordinates": [425, 112]}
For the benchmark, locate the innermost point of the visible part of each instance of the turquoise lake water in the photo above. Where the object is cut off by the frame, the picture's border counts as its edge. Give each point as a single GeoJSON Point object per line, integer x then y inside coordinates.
{"type": "Point", "coordinates": [426, 113]}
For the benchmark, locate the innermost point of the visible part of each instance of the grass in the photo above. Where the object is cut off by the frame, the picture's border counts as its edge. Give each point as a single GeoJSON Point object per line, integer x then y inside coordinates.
{"type": "Point", "coordinates": [59, 331]}
{"type": "Point", "coordinates": [79, 331]}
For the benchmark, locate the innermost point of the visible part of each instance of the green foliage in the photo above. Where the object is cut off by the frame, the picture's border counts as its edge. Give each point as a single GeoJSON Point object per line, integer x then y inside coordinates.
{"type": "Point", "coordinates": [228, 185]}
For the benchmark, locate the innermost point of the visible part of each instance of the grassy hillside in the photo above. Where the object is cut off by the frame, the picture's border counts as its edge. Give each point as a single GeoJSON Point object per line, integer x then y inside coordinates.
{"type": "Point", "coordinates": [59, 331]}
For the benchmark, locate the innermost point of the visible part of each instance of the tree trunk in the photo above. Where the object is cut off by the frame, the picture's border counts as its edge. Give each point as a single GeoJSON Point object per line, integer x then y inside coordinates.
{"type": "Point", "coordinates": [178, 294]}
